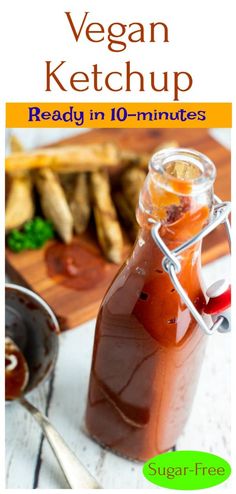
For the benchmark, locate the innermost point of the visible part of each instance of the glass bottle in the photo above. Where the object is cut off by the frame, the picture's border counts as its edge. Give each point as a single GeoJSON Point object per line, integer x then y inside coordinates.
{"type": "Point", "coordinates": [148, 348]}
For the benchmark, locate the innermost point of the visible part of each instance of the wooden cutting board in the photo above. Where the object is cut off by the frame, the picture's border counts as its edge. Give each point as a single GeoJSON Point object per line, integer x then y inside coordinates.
{"type": "Point", "coordinates": [75, 306]}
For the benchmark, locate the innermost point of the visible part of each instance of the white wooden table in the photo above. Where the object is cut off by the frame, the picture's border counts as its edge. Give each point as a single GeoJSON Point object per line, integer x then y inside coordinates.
{"type": "Point", "coordinates": [29, 460]}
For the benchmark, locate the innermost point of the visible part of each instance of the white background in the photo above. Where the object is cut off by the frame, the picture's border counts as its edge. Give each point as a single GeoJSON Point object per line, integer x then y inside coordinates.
{"type": "Point", "coordinates": [201, 42]}
{"type": "Point", "coordinates": [200, 34]}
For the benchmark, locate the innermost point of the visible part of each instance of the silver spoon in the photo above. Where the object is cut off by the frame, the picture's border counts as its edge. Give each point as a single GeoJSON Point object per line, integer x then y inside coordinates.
{"type": "Point", "coordinates": [32, 328]}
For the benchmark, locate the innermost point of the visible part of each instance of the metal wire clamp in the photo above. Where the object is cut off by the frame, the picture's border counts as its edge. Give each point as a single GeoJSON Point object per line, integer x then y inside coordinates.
{"type": "Point", "coordinates": [171, 264]}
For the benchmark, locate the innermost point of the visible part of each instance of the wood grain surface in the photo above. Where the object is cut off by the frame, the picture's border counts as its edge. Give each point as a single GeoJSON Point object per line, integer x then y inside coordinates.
{"type": "Point", "coordinates": [74, 307]}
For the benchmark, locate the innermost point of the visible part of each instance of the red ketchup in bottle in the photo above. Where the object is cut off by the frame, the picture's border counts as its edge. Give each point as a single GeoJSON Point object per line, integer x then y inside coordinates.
{"type": "Point", "coordinates": [148, 348]}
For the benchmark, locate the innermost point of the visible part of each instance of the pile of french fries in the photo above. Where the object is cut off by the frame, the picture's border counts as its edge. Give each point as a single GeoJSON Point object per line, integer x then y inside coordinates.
{"type": "Point", "coordinates": [73, 184]}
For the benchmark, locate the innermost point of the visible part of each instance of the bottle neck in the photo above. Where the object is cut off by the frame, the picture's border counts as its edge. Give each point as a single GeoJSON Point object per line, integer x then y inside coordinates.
{"type": "Point", "coordinates": [178, 195]}
{"type": "Point", "coordinates": [145, 248]}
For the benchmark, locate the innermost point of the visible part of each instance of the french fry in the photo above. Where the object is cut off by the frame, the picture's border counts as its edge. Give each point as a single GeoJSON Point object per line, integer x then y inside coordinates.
{"type": "Point", "coordinates": [108, 228]}
{"type": "Point", "coordinates": [19, 205]}
{"type": "Point", "coordinates": [67, 181]}
{"type": "Point", "coordinates": [78, 158]}
{"type": "Point", "coordinates": [127, 214]}
{"type": "Point", "coordinates": [54, 204]}
{"type": "Point", "coordinates": [80, 203]}
{"type": "Point", "coordinates": [129, 158]}
{"type": "Point", "coordinates": [65, 159]}
{"type": "Point", "coordinates": [15, 144]}
{"type": "Point", "coordinates": [77, 192]}
{"type": "Point", "coordinates": [132, 180]}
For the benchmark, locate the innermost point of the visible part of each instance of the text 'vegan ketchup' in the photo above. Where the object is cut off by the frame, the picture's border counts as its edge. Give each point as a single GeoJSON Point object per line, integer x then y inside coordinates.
{"type": "Point", "coordinates": [148, 348]}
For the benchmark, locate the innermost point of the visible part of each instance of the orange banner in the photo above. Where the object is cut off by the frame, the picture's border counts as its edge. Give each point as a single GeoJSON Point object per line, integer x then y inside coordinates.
{"type": "Point", "coordinates": [119, 115]}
